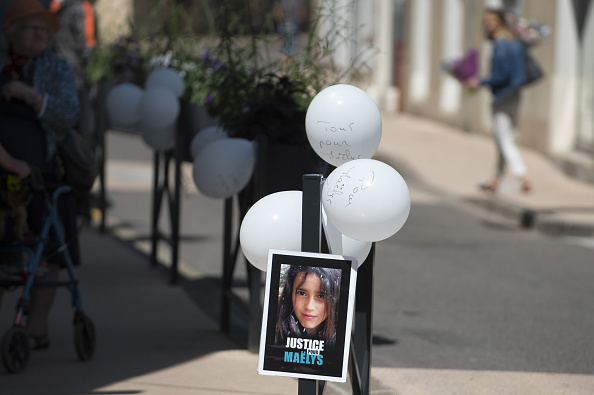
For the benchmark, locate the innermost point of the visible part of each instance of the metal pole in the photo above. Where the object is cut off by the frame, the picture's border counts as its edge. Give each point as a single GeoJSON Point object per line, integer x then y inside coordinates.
{"type": "Point", "coordinates": [156, 207]}
{"type": "Point", "coordinates": [311, 232]}
{"type": "Point", "coordinates": [176, 206]}
{"type": "Point", "coordinates": [225, 321]}
{"type": "Point", "coordinates": [253, 273]}
{"type": "Point", "coordinates": [363, 321]}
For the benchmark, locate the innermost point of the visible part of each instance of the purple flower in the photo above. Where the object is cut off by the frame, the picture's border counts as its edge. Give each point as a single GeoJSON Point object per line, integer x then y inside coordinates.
{"type": "Point", "coordinates": [216, 65]}
{"type": "Point", "coordinates": [205, 55]}
{"type": "Point", "coordinates": [208, 99]}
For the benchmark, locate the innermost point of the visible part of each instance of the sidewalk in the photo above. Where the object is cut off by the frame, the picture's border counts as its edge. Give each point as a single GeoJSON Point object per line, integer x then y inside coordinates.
{"type": "Point", "coordinates": [151, 337]}
{"type": "Point", "coordinates": [452, 162]}
{"type": "Point", "coordinates": [154, 340]}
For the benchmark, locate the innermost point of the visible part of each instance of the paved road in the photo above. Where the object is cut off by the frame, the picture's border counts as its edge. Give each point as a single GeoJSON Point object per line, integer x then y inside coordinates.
{"type": "Point", "coordinates": [468, 290]}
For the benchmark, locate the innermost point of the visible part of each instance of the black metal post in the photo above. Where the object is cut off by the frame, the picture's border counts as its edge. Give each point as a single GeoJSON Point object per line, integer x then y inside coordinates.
{"type": "Point", "coordinates": [101, 126]}
{"type": "Point", "coordinates": [311, 228]}
{"type": "Point", "coordinates": [175, 206]}
{"type": "Point", "coordinates": [254, 191]}
{"type": "Point", "coordinates": [101, 131]}
{"type": "Point", "coordinates": [255, 318]}
{"type": "Point", "coordinates": [257, 191]}
{"type": "Point", "coordinates": [156, 209]}
{"type": "Point", "coordinates": [225, 319]}
{"type": "Point", "coordinates": [311, 236]}
{"type": "Point", "coordinates": [362, 336]}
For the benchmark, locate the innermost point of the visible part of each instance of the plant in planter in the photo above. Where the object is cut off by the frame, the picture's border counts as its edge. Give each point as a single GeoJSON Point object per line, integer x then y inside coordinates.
{"type": "Point", "coordinates": [254, 96]}
{"type": "Point", "coordinates": [238, 76]}
{"type": "Point", "coordinates": [271, 113]}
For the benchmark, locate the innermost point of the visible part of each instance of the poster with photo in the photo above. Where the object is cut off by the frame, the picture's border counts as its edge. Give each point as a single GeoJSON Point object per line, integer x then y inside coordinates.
{"type": "Point", "coordinates": [308, 310]}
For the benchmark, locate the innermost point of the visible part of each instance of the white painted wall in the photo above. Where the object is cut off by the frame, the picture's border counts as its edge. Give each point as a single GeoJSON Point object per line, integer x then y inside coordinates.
{"type": "Point", "coordinates": [558, 113]}
{"type": "Point", "coordinates": [586, 99]}
{"type": "Point", "coordinates": [452, 48]}
{"type": "Point", "coordinates": [420, 49]}
{"type": "Point", "coordinates": [564, 89]}
{"type": "Point", "coordinates": [493, 3]}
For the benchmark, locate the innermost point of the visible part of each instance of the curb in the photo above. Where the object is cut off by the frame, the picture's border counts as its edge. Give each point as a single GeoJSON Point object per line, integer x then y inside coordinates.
{"type": "Point", "coordinates": [543, 220]}
{"type": "Point", "coordinates": [546, 221]}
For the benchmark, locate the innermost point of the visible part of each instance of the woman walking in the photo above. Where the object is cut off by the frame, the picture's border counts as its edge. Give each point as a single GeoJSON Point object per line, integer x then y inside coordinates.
{"type": "Point", "coordinates": [507, 75]}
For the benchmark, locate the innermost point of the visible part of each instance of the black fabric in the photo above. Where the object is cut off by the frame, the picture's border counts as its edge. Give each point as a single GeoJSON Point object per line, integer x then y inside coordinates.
{"type": "Point", "coordinates": [77, 162]}
{"type": "Point", "coordinates": [21, 133]}
{"type": "Point", "coordinates": [23, 137]}
{"type": "Point", "coordinates": [35, 217]}
{"type": "Point", "coordinates": [533, 70]}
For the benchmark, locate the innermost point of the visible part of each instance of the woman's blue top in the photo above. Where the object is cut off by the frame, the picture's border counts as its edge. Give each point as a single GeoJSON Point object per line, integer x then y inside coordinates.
{"type": "Point", "coordinates": [508, 71]}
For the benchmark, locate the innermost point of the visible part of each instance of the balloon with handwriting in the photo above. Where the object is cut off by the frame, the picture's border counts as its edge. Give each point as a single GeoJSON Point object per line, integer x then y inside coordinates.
{"type": "Point", "coordinates": [123, 105]}
{"type": "Point", "coordinates": [342, 245]}
{"type": "Point", "coordinates": [273, 222]}
{"type": "Point", "coordinates": [159, 138]}
{"type": "Point", "coordinates": [366, 200]}
{"type": "Point", "coordinates": [166, 78]}
{"type": "Point", "coordinates": [224, 167]}
{"type": "Point", "coordinates": [205, 137]}
{"type": "Point", "coordinates": [159, 107]}
{"type": "Point", "coordinates": [343, 123]}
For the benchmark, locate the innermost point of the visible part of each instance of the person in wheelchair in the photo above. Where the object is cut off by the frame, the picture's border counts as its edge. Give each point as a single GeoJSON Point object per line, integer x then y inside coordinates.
{"type": "Point", "coordinates": [38, 102]}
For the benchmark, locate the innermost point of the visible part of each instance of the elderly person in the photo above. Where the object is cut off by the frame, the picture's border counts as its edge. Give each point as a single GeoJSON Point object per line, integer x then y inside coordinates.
{"type": "Point", "coordinates": [38, 104]}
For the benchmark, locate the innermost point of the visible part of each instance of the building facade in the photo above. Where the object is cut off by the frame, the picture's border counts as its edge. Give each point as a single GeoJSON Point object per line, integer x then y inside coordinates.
{"type": "Point", "coordinates": [557, 113]}
{"type": "Point", "coordinates": [414, 37]}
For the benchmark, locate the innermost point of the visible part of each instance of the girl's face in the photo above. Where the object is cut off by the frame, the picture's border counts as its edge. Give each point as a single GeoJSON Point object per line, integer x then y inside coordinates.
{"type": "Point", "coordinates": [309, 304]}
{"type": "Point", "coordinates": [491, 23]}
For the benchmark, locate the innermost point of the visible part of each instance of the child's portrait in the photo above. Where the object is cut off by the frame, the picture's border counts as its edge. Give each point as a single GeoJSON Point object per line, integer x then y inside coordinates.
{"type": "Point", "coordinates": [308, 303]}
{"type": "Point", "coordinates": [307, 318]}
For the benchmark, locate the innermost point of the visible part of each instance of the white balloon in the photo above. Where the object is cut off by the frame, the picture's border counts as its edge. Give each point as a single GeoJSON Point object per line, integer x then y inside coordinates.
{"type": "Point", "coordinates": [205, 137]}
{"type": "Point", "coordinates": [123, 105]}
{"type": "Point", "coordinates": [158, 138]}
{"type": "Point", "coordinates": [159, 107]}
{"type": "Point", "coordinates": [166, 78]}
{"type": "Point", "coordinates": [343, 123]}
{"type": "Point", "coordinates": [224, 167]}
{"type": "Point", "coordinates": [366, 200]}
{"type": "Point", "coordinates": [273, 222]}
{"type": "Point", "coordinates": [342, 245]}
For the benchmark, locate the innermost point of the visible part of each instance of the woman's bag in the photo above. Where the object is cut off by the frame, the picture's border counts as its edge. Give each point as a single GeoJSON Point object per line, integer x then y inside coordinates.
{"type": "Point", "coordinates": [533, 70]}
{"type": "Point", "coordinates": [77, 161]}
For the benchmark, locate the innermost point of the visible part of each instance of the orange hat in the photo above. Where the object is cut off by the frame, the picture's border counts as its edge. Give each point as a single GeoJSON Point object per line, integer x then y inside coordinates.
{"type": "Point", "coordinates": [21, 8]}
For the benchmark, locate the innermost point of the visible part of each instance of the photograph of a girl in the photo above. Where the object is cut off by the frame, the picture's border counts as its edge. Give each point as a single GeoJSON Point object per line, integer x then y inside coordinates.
{"type": "Point", "coordinates": [308, 303]}
{"type": "Point", "coordinates": [307, 317]}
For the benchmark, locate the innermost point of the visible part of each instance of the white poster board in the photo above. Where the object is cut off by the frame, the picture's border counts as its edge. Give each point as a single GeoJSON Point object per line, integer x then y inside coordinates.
{"type": "Point", "coordinates": [308, 310]}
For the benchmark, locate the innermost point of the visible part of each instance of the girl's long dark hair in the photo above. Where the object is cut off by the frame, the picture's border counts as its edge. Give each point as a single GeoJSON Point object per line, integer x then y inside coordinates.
{"type": "Point", "coordinates": [287, 322]}
{"type": "Point", "coordinates": [501, 15]}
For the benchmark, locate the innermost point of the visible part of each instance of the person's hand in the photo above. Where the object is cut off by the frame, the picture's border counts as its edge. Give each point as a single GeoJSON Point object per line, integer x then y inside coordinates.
{"type": "Point", "coordinates": [22, 169]}
{"type": "Point", "coordinates": [472, 83]}
{"type": "Point", "coordinates": [19, 90]}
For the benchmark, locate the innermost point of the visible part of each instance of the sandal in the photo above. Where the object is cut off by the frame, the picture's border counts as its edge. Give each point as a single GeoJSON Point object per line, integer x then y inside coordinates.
{"type": "Point", "coordinates": [490, 187]}
{"type": "Point", "coordinates": [526, 187]}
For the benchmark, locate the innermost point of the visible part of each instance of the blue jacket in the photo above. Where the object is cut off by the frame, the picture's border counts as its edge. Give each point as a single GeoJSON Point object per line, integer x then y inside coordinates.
{"type": "Point", "coordinates": [54, 79]}
{"type": "Point", "coordinates": [508, 72]}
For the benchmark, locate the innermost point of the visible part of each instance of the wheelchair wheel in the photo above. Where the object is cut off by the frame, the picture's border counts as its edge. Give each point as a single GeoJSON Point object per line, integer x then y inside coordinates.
{"type": "Point", "coordinates": [16, 350]}
{"type": "Point", "coordinates": [84, 336]}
